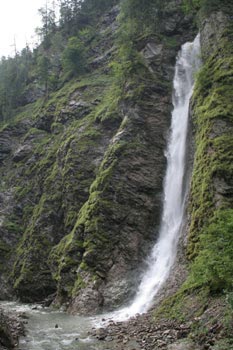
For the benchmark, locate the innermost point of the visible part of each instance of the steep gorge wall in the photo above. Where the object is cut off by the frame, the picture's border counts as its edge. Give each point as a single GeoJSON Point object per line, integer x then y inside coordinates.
{"type": "Point", "coordinates": [120, 220]}
{"type": "Point", "coordinates": [211, 195]}
{"type": "Point", "coordinates": [82, 175]}
{"type": "Point", "coordinates": [49, 160]}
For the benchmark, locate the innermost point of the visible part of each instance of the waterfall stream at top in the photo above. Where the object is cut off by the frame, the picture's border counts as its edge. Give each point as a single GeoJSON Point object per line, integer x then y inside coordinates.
{"type": "Point", "coordinates": [164, 252]}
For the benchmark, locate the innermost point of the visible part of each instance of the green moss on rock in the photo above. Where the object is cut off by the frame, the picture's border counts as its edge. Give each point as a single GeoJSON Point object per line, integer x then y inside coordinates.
{"type": "Point", "coordinates": [214, 263]}
{"type": "Point", "coordinates": [213, 118]}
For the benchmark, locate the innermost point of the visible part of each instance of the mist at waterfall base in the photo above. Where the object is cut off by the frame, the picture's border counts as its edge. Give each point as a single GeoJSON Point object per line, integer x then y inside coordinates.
{"type": "Point", "coordinates": [164, 252]}
{"type": "Point", "coordinates": [56, 330]}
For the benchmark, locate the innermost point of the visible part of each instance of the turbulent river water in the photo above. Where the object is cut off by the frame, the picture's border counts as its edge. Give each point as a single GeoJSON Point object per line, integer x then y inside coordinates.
{"type": "Point", "coordinates": [55, 330]}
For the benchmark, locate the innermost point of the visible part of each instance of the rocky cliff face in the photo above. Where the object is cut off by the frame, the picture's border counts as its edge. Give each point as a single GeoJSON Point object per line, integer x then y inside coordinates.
{"type": "Point", "coordinates": [82, 172]}
{"type": "Point", "coordinates": [212, 117]}
{"type": "Point", "coordinates": [82, 175]}
{"type": "Point", "coordinates": [205, 297]}
{"type": "Point", "coordinates": [81, 191]}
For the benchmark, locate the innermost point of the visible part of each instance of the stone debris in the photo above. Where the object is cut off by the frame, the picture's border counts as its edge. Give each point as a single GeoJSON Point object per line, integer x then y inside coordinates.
{"type": "Point", "coordinates": [142, 332]}
{"type": "Point", "coordinates": [11, 328]}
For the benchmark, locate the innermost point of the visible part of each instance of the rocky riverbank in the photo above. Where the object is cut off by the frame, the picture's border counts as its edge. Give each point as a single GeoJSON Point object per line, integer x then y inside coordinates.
{"type": "Point", "coordinates": [144, 333]}
{"type": "Point", "coordinates": [11, 328]}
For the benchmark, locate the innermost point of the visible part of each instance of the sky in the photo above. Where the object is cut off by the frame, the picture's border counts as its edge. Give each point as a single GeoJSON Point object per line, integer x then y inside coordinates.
{"type": "Point", "coordinates": [18, 20]}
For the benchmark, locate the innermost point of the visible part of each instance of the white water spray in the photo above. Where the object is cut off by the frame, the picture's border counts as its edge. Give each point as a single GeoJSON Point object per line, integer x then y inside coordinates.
{"type": "Point", "coordinates": [163, 254]}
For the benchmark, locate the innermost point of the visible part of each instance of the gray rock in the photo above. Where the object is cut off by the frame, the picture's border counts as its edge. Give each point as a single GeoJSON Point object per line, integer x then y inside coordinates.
{"type": "Point", "coordinates": [152, 50]}
{"type": "Point", "coordinates": [10, 330]}
{"type": "Point", "coordinates": [22, 152]}
{"type": "Point", "coordinates": [5, 146]}
{"type": "Point", "coordinates": [212, 29]}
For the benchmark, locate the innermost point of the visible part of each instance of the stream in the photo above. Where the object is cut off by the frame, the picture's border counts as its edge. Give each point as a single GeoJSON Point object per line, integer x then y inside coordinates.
{"type": "Point", "coordinates": [48, 329]}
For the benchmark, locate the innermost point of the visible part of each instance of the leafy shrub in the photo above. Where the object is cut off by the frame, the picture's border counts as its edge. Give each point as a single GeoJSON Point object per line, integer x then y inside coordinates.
{"type": "Point", "coordinates": [206, 6]}
{"type": "Point", "coordinates": [74, 58]}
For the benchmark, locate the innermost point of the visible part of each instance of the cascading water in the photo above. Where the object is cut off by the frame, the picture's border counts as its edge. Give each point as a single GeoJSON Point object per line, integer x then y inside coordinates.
{"type": "Point", "coordinates": [164, 252]}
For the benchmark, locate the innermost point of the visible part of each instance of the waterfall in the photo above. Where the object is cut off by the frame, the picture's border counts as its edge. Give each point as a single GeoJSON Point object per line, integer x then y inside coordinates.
{"type": "Point", "coordinates": [163, 254]}
{"type": "Point", "coordinates": [56, 330]}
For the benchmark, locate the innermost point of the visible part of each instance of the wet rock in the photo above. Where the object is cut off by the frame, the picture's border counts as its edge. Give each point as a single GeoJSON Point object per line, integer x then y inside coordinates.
{"type": "Point", "coordinates": [108, 338]}
{"type": "Point", "coordinates": [23, 315]}
{"type": "Point", "coordinates": [101, 333]}
{"type": "Point", "coordinates": [48, 301]}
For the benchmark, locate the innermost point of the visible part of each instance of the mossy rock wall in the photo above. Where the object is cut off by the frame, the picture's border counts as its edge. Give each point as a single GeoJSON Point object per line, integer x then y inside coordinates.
{"type": "Point", "coordinates": [212, 186]}
{"type": "Point", "coordinates": [209, 249]}
{"type": "Point", "coordinates": [82, 172]}
{"type": "Point", "coordinates": [99, 263]}
{"type": "Point", "coordinates": [50, 155]}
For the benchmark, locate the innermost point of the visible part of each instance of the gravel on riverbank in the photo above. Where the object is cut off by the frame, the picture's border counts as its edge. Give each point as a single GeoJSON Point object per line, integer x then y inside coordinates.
{"type": "Point", "coordinates": [11, 328]}
{"type": "Point", "coordinates": [144, 333]}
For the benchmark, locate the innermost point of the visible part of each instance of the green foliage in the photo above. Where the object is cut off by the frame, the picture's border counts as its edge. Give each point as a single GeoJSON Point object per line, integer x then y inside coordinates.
{"type": "Point", "coordinates": [13, 226]}
{"type": "Point", "coordinates": [60, 55]}
{"type": "Point", "coordinates": [213, 157]}
{"type": "Point", "coordinates": [87, 34]}
{"type": "Point", "coordinates": [185, 304]}
{"type": "Point", "coordinates": [223, 344]}
{"type": "Point", "coordinates": [48, 19]}
{"type": "Point", "coordinates": [128, 70]}
{"type": "Point", "coordinates": [214, 264]}
{"type": "Point", "coordinates": [76, 15]}
{"type": "Point", "coordinates": [74, 58]}
{"type": "Point", "coordinates": [109, 106]}
{"type": "Point", "coordinates": [191, 5]}
{"type": "Point", "coordinates": [228, 320]}
{"type": "Point", "coordinates": [90, 9]}
{"type": "Point", "coordinates": [14, 78]}
{"type": "Point", "coordinates": [143, 15]}
{"type": "Point", "coordinates": [207, 6]}
{"type": "Point", "coordinates": [229, 300]}
{"type": "Point", "coordinates": [79, 284]}
{"type": "Point", "coordinates": [43, 65]}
